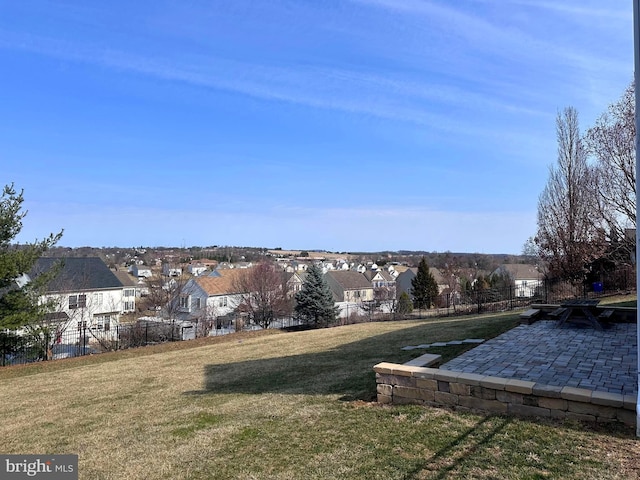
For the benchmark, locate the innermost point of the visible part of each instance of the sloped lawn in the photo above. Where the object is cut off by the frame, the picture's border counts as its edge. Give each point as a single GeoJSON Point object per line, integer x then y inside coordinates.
{"type": "Point", "coordinates": [275, 405]}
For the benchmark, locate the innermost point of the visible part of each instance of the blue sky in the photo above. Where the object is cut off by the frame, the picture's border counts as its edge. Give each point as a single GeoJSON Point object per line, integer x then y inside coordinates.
{"type": "Point", "coordinates": [345, 125]}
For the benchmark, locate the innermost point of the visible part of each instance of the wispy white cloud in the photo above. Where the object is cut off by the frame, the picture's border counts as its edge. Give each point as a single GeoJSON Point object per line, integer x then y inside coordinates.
{"type": "Point", "coordinates": [387, 97]}
{"type": "Point", "coordinates": [526, 44]}
{"type": "Point", "coordinates": [616, 11]}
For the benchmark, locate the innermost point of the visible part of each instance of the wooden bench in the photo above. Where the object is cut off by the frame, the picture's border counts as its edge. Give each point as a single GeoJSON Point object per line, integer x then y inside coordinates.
{"type": "Point", "coordinates": [558, 312]}
{"type": "Point", "coordinates": [426, 360]}
{"type": "Point", "coordinates": [606, 315]}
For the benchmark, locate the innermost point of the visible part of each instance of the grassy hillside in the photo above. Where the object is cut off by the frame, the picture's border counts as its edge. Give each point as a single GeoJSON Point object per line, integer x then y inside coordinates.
{"type": "Point", "coordinates": [277, 405]}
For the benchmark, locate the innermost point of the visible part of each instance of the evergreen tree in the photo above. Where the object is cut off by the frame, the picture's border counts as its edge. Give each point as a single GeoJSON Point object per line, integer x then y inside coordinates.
{"type": "Point", "coordinates": [19, 294]}
{"type": "Point", "coordinates": [404, 304]}
{"type": "Point", "coordinates": [424, 288]}
{"type": "Point", "coordinates": [314, 302]}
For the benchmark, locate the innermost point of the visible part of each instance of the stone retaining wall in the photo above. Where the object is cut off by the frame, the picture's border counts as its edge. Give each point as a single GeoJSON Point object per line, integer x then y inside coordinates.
{"type": "Point", "coordinates": [409, 384]}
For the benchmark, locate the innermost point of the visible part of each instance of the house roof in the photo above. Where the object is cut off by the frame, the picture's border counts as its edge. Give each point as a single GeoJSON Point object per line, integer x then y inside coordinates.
{"type": "Point", "coordinates": [125, 278]}
{"type": "Point", "coordinates": [521, 271]}
{"type": "Point", "coordinates": [77, 274]}
{"type": "Point", "coordinates": [370, 274]}
{"type": "Point", "coordinates": [349, 279]}
{"type": "Point", "coordinates": [225, 283]}
{"type": "Point", "coordinates": [435, 273]}
{"type": "Point", "coordinates": [409, 272]}
{"type": "Point", "coordinates": [292, 277]}
{"type": "Point", "coordinates": [401, 268]}
{"type": "Point", "coordinates": [437, 276]}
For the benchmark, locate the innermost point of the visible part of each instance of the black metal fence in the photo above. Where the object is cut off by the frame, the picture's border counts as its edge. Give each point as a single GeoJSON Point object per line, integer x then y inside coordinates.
{"type": "Point", "coordinates": [63, 341]}
{"type": "Point", "coordinates": [511, 297]}
{"type": "Point", "coordinates": [56, 342]}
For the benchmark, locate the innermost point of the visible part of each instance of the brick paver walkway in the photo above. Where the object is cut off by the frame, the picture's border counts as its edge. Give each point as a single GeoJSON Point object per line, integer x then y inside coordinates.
{"type": "Point", "coordinates": [561, 356]}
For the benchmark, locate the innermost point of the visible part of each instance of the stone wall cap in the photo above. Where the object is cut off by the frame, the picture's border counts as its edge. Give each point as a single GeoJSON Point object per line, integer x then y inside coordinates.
{"type": "Point", "coordinates": [607, 398]}
{"type": "Point", "coordinates": [473, 379]}
{"type": "Point", "coordinates": [519, 386]}
{"type": "Point", "coordinates": [576, 394]}
{"type": "Point", "coordinates": [496, 383]}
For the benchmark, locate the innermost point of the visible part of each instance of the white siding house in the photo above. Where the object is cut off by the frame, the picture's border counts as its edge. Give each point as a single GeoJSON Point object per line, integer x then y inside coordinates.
{"type": "Point", "coordinates": [210, 297]}
{"type": "Point", "coordinates": [87, 298]}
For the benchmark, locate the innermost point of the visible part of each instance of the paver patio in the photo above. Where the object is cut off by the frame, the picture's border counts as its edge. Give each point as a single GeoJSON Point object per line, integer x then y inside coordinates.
{"type": "Point", "coordinates": [571, 355]}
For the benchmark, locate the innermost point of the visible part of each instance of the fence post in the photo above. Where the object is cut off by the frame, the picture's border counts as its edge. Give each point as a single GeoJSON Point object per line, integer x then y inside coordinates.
{"type": "Point", "coordinates": [546, 291]}
{"type": "Point", "coordinates": [511, 296]}
{"type": "Point", "coordinates": [47, 340]}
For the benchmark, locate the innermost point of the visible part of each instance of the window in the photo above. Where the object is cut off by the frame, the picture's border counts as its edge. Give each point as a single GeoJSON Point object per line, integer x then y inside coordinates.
{"type": "Point", "coordinates": [97, 299]}
{"type": "Point", "coordinates": [77, 301]}
{"type": "Point", "coordinates": [102, 322]}
{"type": "Point", "coordinates": [184, 301]}
{"type": "Point", "coordinates": [129, 292]}
{"type": "Point", "coordinates": [129, 306]}
{"type": "Point", "coordinates": [196, 302]}
{"type": "Point", "coordinates": [222, 302]}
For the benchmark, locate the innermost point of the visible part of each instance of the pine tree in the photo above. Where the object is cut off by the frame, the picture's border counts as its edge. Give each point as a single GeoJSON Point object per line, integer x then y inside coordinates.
{"type": "Point", "coordinates": [314, 302]}
{"type": "Point", "coordinates": [18, 295]}
{"type": "Point", "coordinates": [404, 304]}
{"type": "Point", "coordinates": [424, 288]}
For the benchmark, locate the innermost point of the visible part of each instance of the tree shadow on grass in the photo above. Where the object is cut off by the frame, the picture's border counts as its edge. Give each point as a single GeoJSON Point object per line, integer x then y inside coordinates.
{"type": "Point", "coordinates": [452, 456]}
{"type": "Point", "coordinates": [346, 370]}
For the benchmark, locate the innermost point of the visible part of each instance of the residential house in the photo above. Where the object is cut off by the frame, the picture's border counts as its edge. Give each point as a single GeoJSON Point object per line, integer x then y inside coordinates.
{"type": "Point", "coordinates": [169, 270]}
{"type": "Point", "coordinates": [380, 278]}
{"type": "Point", "coordinates": [403, 280]}
{"type": "Point", "coordinates": [88, 300]}
{"type": "Point", "coordinates": [130, 291]}
{"type": "Point", "coordinates": [526, 278]}
{"type": "Point", "coordinates": [196, 269]}
{"type": "Point", "coordinates": [210, 297]}
{"type": "Point", "coordinates": [141, 271]}
{"type": "Point", "coordinates": [295, 281]}
{"type": "Point", "coordinates": [384, 288]}
{"type": "Point", "coordinates": [351, 289]}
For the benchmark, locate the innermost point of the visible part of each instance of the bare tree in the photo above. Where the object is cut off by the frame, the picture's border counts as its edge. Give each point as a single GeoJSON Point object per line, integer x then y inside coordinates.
{"type": "Point", "coordinates": [265, 293]}
{"type": "Point", "coordinates": [567, 238]}
{"type": "Point", "coordinates": [164, 294]}
{"type": "Point", "coordinates": [385, 297]}
{"type": "Point", "coordinates": [612, 143]}
{"type": "Point", "coordinates": [452, 272]}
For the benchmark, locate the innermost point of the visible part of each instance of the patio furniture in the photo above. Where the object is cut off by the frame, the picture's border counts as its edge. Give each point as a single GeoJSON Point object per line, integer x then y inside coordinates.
{"type": "Point", "coordinates": [579, 311]}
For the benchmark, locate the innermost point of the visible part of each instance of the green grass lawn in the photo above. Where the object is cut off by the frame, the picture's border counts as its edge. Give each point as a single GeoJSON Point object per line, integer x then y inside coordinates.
{"type": "Point", "coordinates": [276, 405]}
